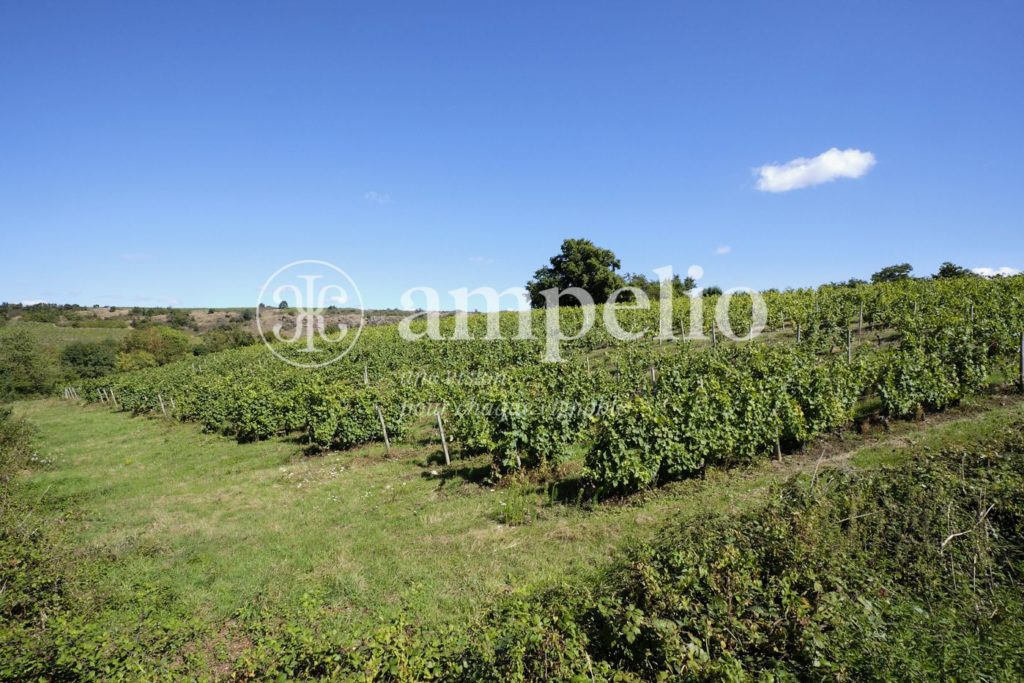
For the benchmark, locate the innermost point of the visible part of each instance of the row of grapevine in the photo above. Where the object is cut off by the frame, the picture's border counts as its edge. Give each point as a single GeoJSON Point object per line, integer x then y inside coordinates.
{"type": "Point", "coordinates": [641, 413]}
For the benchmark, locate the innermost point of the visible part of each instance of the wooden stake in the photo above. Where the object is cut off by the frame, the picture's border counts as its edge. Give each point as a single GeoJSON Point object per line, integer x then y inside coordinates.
{"type": "Point", "coordinates": [849, 346]}
{"type": "Point", "coordinates": [366, 376]}
{"type": "Point", "coordinates": [1022, 361]}
{"type": "Point", "coordinates": [860, 320]}
{"type": "Point", "coordinates": [714, 334]}
{"type": "Point", "coordinates": [654, 382]}
{"type": "Point", "coordinates": [972, 314]}
{"type": "Point", "coordinates": [383, 428]}
{"type": "Point", "coordinates": [162, 408]}
{"type": "Point", "coordinates": [444, 442]}
{"type": "Point", "coordinates": [113, 398]}
{"type": "Point", "coordinates": [778, 448]}
{"type": "Point", "coordinates": [798, 333]}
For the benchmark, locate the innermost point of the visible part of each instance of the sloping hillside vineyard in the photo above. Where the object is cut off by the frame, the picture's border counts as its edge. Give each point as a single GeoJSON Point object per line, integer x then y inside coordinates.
{"type": "Point", "coordinates": [643, 413]}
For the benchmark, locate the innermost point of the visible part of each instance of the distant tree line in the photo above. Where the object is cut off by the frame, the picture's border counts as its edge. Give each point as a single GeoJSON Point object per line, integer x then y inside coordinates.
{"type": "Point", "coordinates": [581, 263]}
{"type": "Point", "coordinates": [27, 368]}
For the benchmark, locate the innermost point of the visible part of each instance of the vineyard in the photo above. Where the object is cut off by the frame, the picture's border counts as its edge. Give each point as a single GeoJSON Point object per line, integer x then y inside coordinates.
{"type": "Point", "coordinates": [639, 414]}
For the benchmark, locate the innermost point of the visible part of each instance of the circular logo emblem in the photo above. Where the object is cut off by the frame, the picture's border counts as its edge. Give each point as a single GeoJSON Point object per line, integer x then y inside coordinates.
{"type": "Point", "coordinates": [312, 310]}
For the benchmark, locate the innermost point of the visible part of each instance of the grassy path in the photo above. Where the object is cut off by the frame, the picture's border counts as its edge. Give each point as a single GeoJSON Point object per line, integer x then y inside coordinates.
{"type": "Point", "coordinates": [221, 525]}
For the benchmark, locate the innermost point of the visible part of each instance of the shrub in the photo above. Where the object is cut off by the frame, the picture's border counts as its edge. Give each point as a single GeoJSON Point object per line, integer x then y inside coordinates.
{"type": "Point", "coordinates": [89, 359]}
{"type": "Point", "coordinates": [163, 343]}
{"type": "Point", "coordinates": [24, 367]}
{"type": "Point", "coordinates": [135, 360]}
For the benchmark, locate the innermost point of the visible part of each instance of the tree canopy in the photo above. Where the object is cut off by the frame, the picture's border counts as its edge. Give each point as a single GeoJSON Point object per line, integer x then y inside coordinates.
{"type": "Point", "coordinates": [949, 270]}
{"type": "Point", "coordinates": [581, 264]}
{"type": "Point", "coordinates": [652, 287]}
{"type": "Point", "coordinates": [895, 273]}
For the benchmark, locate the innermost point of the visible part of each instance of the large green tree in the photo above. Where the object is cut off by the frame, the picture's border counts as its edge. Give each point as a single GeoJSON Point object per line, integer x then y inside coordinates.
{"type": "Point", "coordinates": [951, 270]}
{"type": "Point", "coordinates": [581, 264]}
{"type": "Point", "coordinates": [900, 271]}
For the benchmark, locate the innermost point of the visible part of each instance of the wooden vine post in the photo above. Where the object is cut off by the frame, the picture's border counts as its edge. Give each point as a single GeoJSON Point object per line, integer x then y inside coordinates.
{"type": "Point", "coordinates": [849, 346]}
{"type": "Point", "coordinates": [1022, 361]}
{"type": "Point", "coordinates": [383, 428]}
{"type": "Point", "coordinates": [860, 319]}
{"type": "Point", "coordinates": [162, 408]}
{"type": "Point", "coordinates": [444, 441]}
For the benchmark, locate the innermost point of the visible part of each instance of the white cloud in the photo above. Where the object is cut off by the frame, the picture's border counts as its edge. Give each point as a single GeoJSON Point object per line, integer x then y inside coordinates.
{"type": "Point", "coordinates": [723, 250]}
{"type": "Point", "coordinates": [378, 197]}
{"type": "Point", "coordinates": [32, 302]}
{"type": "Point", "coordinates": [994, 272]}
{"type": "Point", "coordinates": [803, 172]}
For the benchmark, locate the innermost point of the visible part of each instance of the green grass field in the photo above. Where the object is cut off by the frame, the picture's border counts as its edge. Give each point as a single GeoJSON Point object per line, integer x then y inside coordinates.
{"type": "Point", "coordinates": [222, 527]}
{"type": "Point", "coordinates": [53, 338]}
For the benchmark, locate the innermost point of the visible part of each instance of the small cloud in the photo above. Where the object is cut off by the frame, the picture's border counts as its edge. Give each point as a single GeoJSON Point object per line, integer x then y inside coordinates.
{"type": "Point", "coordinates": [1005, 271]}
{"type": "Point", "coordinates": [481, 260]}
{"type": "Point", "coordinates": [723, 250]}
{"type": "Point", "coordinates": [380, 198]}
{"type": "Point", "coordinates": [136, 257]}
{"type": "Point", "coordinates": [824, 168]}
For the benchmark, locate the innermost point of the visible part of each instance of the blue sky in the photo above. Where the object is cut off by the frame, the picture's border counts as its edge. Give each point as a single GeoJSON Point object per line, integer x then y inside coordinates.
{"type": "Point", "coordinates": [155, 153]}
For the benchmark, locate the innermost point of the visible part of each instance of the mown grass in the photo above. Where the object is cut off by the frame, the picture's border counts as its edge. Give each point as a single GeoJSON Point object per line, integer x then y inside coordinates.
{"type": "Point", "coordinates": [223, 527]}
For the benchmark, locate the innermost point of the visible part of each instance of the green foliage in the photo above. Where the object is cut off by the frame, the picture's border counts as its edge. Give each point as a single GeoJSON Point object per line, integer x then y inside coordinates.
{"type": "Point", "coordinates": [843, 577]}
{"type": "Point", "coordinates": [579, 264]}
{"type": "Point", "coordinates": [163, 343]}
{"type": "Point", "coordinates": [25, 368]}
{"type": "Point", "coordinates": [89, 359]}
{"type": "Point", "coordinates": [222, 338]}
{"type": "Point", "coordinates": [15, 447]}
{"type": "Point", "coordinates": [652, 288]}
{"type": "Point", "coordinates": [135, 360]}
{"type": "Point", "coordinates": [181, 319]}
{"type": "Point", "coordinates": [630, 448]}
{"type": "Point", "coordinates": [893, 273]}
{"type": "Point", "coordinates": [720, 407]}
{"type": "Point", "coordinates": [950, 270]}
